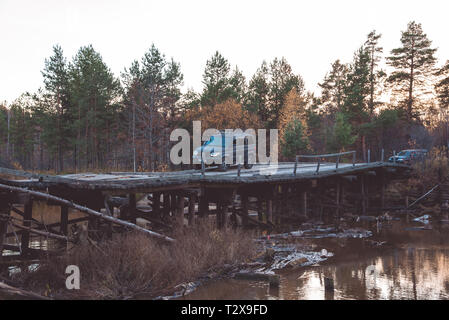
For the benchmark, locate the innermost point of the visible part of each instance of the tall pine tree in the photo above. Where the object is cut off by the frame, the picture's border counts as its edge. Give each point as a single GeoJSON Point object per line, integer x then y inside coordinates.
{"type": "Point", "coordinates": [413, 62]}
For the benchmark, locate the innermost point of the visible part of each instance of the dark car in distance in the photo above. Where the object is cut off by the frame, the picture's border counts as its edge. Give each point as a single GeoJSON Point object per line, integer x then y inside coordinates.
{"type": "Point", "coordinates": [409, 156]}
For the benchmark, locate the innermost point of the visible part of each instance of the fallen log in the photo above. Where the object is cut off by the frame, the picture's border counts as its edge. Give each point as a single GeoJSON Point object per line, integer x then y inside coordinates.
{"type": "Point", "coordinates": [423, 196]}
{"type": "Point", "coordinates": [88, 211]}
{"type": "Point", "coordinates": [16, 291]}
{"type": "Point", "coordinates": [42, 233]}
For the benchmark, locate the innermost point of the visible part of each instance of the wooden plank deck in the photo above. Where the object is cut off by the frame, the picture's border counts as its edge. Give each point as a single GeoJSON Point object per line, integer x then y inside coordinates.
{"type": "Point", "coordinates": [128, 181]}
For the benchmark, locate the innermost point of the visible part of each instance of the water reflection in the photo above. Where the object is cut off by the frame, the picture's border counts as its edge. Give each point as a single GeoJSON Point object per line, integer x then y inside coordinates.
{"type": "Point", "coordinates": [416, 267]}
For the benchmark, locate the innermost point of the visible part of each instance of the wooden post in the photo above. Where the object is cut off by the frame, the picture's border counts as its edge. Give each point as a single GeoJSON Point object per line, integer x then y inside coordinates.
{"type": "Point", "coordinates": [382, 191]}
{"type": "Point", "coordinates": [304, 203]}
{"type": "Point", "coordinates": [28, 215]}
{"type": "Point", "coordinates": [280, 207]}
{"type": "Point", "coordinates": [270, 211]}
{"type": "Point", "coordinates": [221, 214]}
{"type": "Point", "coordinates": [132, 207]}
{"type": "Point", "coordinates": [166, 200]}
{"type": "Point", "coordinates": [5, 211]}
{"type": "Point", "coordinates": [173, 204]}
{"type": "Point", "coordinates": [192, 202]}
{"type": "Point", "coordinates": [342, 196]}
{"type": "Point", "coordinates": [337, 199]}
{"type": "Point", "coordinates": [203, 206]}
{"type": "Point", "coordinates": [244, 202]}
{"type": "Point", "coordinates": [64, 220]}
{"type": "Point", "coordinates": [180, 211]}
{"type": "Point", "coordinates": [156, 204]}
{"type": "Point", "coordinates": [362, 193]}
{"type": "Point", "coordinates": [260, 208]}
{"type": "Point", "coordinates": [93, 224]}
{"type": "Point", "coordinates": [110, 211]}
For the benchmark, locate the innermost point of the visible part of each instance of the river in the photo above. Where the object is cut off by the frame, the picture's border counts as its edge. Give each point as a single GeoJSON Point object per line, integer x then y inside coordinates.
{"type": "Point", "coordinates": [412, 264]}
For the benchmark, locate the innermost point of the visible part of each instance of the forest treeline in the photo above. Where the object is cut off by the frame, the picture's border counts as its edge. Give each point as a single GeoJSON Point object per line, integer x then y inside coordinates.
{"type": "Point", "coordinates": [84, 117]}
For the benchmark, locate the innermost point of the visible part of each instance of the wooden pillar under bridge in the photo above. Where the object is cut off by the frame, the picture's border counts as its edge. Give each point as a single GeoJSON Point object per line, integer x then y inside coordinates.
{"type": "Point", "coordinates": [362, 193]}
{"type": "Point", "coordinates": [260, 208]}
{"type": "Point", "coordinates": [173, 203]}
{"type": "Point", "coordinates": [270, 210]}
{"type": "Point", "coordinates": [93, 225]}
{"type": "Point", "coordinates": [304, 204]}
{"type": "Point", "coordinates": [203, 206]}
{"type": "Point", "coordinates": [27, 216]}
{"type": "Point", "coordinates": [180, 210]}
{"type": "Point", "coordinates": [166, 210]}
{"type": "Point", "coordinates": [4, 219]}
{"type": "Point", "coordinates": [222, 207]}
{"type": "Point", "coordinates": [110, 211]}
{"type": "Point", "coordinates": [281, 207]}
{"type": "Point", "coordinates": [156, 205]}
{"type": "Point", "coordinates": [64, 226]}
{"type": "Point", "coordinates": [192, 203]}
{"type": "Point", "coordinates": [132, 207]}
{"type": "Point", "coordinates": [342, 197]}
{"type": "Point", "coordinates": [244, 204]}
{"type": "Point", "coordinates": [382, 190]}
{"type": "Point", "coordinates": [337, 198]}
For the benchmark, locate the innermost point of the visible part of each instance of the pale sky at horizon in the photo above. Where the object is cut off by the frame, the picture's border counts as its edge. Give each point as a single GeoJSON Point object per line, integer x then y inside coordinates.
{"type": "Point", "coordinates": [310, 35]}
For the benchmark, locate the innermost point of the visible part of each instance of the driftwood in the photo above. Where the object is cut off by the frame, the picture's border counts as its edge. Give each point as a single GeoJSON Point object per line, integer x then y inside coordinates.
{"type": "Point", "coordinates": [423, 196]}
{"type": "Point", "coordinates": [88, 211]}
{"type": "Point", "coordinates": [16, 291]}
{"type": "Point", "coordinates": [42, 233]}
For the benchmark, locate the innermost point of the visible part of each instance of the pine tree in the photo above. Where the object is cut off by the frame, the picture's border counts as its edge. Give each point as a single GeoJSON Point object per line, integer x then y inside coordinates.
{"type": "Point", "coordinates": [332, 94]}
{"type": "Point", "coordinates": [413, 62]}
{"type": "Point", "coordinates": [56, 81]}
{"type": "Point", "coordinates": [282, 81]}
{"type": "Point", "coordinates": [374, 51]}
{"type": "Point", "coordinates": [442, 87]}
{"type": "Point", "coordinates": [258, 91]}
{"type": "Point", "coordinates": [342, 134]}
{"type": "Point", "coordinates": [94, 90]}
{"type": "Point", "coordinates": [295, 139]}
{"type": "Point", "coordinates": [238, 87]}
{"type": "Point", "coordinates": [216, 80]}
{"type": "Point", "coordinates": [357, 88]}
{"type": "Point", "coordinates": [152, 95]}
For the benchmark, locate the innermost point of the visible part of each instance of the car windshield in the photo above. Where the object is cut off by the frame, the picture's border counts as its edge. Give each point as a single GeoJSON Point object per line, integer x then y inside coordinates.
{"type": "Point", "coordinates": [216, 141]}
{"type": "Point", "coordinates": [403, 153]}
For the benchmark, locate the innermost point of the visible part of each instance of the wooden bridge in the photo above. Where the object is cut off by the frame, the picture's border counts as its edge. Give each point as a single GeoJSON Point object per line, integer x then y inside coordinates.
{"type": "Point", "coordinates": [264, 196]}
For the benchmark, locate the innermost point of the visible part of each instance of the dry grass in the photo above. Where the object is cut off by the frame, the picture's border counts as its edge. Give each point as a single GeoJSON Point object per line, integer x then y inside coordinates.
{"type": "Point", "coordinates": [134, 264]}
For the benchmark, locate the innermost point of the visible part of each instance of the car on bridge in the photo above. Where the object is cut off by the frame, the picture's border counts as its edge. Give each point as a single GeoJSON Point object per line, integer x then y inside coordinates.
{"type": "Point", "coordinates": [409, 156]}
{"type": "Point", "coordinates": [220, 148]}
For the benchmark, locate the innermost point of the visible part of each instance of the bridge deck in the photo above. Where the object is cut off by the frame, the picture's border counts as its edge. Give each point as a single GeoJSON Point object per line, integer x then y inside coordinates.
{"type": "Point", "coordinates": [281, 173]}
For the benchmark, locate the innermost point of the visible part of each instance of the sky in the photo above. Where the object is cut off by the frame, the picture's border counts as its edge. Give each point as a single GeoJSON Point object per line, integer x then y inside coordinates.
{"type": "Point", "coordinates": [309, 34]}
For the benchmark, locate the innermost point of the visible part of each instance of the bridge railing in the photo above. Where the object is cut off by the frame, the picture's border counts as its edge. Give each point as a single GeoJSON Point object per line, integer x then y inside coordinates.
{"type": "Point", "coordinates": [319, 157]}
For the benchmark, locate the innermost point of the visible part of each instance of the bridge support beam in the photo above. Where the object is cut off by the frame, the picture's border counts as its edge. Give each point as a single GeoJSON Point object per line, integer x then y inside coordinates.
{"type": "Point", "coordinates": [192, 203]}
{"type": "Point", "coordinates": [4, 218]}
{"type": "Point", "coordinates": [25, 239]}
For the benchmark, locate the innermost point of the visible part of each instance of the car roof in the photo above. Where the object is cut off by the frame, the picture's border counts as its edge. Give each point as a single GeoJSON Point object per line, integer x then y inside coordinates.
{"type": "Point", "coordinates": [420, 150]}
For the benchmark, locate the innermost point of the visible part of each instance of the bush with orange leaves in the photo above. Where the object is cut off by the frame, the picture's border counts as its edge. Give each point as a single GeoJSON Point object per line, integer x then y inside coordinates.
{"type": "Point", "coordinates": [226, 115]}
